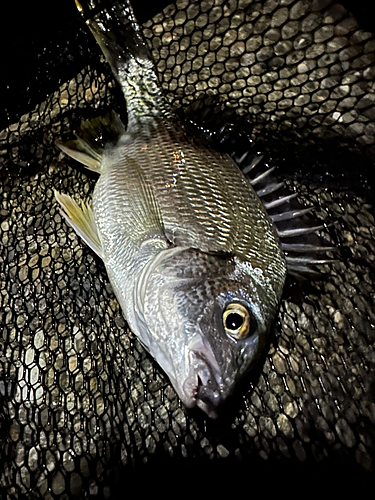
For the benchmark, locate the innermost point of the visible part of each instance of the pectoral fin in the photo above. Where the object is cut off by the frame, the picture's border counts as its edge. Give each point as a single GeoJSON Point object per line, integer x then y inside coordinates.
{"type": "Point", "coordinates": [82, 221]}
{"type": "Point", "coordinates": [144, 219]}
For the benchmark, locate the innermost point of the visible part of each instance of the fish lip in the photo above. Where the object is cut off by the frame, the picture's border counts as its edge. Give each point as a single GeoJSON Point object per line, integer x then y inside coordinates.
{"type": "Point", "coordinates": [208, 400]}
{"type": "Point", "coordinates": [203, 387]}
{"type": "Point", "coordinates": [210, 390]}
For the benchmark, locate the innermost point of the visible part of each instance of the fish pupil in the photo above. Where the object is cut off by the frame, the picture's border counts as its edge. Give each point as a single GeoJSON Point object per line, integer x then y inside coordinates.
{"type": "Point", "coordinates": [233, 321]}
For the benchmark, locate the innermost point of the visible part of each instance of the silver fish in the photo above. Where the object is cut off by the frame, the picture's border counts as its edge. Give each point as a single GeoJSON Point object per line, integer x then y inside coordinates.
{"type": "Point", "coordinates": [192, 256]}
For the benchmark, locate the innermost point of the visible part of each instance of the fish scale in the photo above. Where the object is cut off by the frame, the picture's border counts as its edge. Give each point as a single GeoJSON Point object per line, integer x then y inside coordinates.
{"type": "Point", "coordinates": [210, 206]}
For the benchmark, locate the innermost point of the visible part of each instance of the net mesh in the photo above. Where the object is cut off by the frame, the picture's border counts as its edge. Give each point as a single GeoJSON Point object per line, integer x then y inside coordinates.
{"type": "Point", "coordinates": [84, 410]}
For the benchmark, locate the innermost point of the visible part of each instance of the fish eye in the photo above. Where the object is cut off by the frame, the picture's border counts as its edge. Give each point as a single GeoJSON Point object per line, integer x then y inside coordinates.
{"type": "Point", "coordinates": [237, 321]}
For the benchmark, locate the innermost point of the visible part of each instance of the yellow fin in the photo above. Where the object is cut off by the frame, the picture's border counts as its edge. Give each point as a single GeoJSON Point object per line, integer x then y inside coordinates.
{"type": "Point", "coordinates": [81, 218]}
{"type": "Point", "coordinates": [91, 138]}
{"type": "Point", "coordinates": [81, 152]}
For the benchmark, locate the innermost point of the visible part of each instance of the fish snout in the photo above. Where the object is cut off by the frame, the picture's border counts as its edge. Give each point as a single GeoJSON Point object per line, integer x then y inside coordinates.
{"type": "Point", "coordinates": [208, 396]}
{"type": "Point", "coordinates": [209, 391]}
{"type": "Point", "coordinates": [204, 385]}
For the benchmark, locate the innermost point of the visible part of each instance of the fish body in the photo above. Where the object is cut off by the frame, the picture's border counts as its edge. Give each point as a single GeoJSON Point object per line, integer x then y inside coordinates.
{"type": "Point", "coordinates": [191, 253]}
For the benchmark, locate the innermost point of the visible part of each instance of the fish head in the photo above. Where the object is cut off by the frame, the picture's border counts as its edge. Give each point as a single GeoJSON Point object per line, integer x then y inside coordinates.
{"type": "Point", "coordinates": [208, 317]}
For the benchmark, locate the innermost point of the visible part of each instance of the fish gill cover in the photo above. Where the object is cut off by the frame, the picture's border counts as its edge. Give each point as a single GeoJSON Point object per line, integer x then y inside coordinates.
{"type": "Point", "coordinates": [84, 409]}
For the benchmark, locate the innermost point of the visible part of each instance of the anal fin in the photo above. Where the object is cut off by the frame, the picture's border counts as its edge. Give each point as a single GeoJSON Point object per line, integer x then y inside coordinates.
{"type": "Point", "coordinates": [81, 219]}
{"type": "Point", "coordinates": [91, 138]}
{"type": "Point", "coordinates": [82, 152]}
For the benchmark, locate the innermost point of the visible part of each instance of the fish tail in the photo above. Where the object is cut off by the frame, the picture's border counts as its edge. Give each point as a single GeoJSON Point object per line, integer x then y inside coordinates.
{"type": "Point", "coordinates": [121, 40]}
{"type": "Point", "coordinates": [116, 30]}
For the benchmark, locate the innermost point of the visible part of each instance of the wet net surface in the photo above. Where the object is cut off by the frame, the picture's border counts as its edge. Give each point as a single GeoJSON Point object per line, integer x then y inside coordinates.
{"type": "Point", "coordinates": [85, 412]}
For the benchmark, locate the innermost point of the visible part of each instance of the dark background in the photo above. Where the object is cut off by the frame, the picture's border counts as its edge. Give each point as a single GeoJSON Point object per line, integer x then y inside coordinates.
{"type": "Point", "coordinates": [44, 43]}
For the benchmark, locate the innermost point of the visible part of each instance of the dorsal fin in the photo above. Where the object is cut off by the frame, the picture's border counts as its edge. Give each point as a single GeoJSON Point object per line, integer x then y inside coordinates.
{"type": "Point", "coordinates": [298, 237]}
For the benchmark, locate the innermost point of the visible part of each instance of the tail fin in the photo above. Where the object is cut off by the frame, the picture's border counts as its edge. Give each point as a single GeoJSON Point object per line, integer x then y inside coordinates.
{"type": "Point", "coordinates": [119, 36]}
{"type": "Point", "coordinates": [116, 30]}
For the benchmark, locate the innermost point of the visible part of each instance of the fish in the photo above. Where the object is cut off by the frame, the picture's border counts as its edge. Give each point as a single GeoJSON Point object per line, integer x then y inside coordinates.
{"type": "Point", "coordinates": [193, 256]}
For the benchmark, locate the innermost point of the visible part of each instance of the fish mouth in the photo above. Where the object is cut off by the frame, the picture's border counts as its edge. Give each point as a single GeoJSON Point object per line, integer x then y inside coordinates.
{"type": "Point", "coordinates": [204, 387]}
